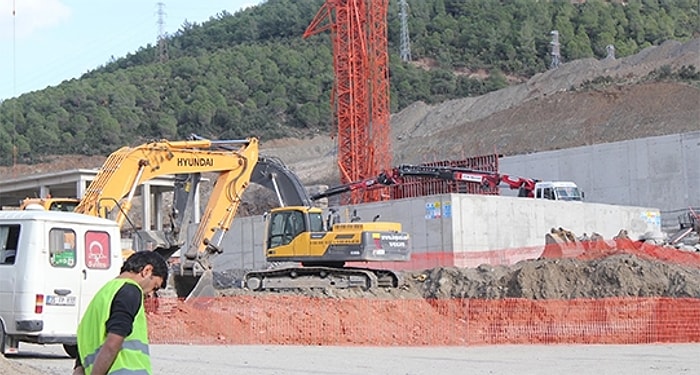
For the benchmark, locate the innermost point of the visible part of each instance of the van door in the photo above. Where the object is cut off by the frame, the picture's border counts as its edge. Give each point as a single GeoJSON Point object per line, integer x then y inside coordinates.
{"type": "Point", "coordinates": [9, 241]}
{"type": "Point", "coordinates": [62, 288]}
{"type": "Point", "coordinates": [98, 264]}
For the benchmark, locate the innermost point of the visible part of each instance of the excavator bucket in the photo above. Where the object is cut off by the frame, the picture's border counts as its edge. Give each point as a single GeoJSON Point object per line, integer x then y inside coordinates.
{"type": "Point", "coordinates": [191, 288]}
{"type": "Point", "coordinates": [561, 243]}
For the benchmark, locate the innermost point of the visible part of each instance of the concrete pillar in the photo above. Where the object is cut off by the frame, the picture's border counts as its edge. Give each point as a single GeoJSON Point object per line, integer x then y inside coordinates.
{"type": "Point", "coordinates": [158, 207]}
{"type": "Point", "coordinates": [44, 191]}
{"type": "Point", "coordinates": [196, 210]}
{"type": "Point", "coordinates": [81, 186]}
{"type": "Point", "coordinates": [146, 206]}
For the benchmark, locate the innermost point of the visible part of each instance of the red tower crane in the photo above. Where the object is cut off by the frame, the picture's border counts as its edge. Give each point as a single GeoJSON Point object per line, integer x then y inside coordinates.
{"type": "Point", "coordinates": [360, 97]}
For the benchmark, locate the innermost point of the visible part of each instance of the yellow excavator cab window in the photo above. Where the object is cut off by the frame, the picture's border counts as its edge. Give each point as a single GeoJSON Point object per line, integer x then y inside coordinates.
{"type": "Point", "coordinates": [63, 206]}
{"type": "Point", "coordinates": [316, 222]}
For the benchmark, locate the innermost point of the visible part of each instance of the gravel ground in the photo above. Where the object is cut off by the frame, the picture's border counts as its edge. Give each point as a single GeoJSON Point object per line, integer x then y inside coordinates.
{"type": "Point", "coordinates": [298, 360]}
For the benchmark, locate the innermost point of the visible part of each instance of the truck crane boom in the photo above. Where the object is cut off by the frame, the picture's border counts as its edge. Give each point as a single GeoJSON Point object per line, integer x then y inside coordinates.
{"type": "Point", "coordinates": [527, 187]}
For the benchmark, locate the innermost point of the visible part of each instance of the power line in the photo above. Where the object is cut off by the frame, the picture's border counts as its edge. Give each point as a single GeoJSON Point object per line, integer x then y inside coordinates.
{"type": "Point", "coordinates": [14, 88]}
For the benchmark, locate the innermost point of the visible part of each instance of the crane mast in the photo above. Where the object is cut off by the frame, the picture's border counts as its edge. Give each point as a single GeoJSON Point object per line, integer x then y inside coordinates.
{"type": "Point", "coordinates": [360, 97]}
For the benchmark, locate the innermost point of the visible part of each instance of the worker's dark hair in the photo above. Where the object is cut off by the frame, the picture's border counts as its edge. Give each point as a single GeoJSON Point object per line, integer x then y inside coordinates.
{"type": "Point", "coordinates": [140, 259]}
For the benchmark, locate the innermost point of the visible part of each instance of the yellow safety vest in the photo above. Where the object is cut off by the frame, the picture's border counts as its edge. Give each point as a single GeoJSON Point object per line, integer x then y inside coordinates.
{"type": "Point", "coordinates": [133, 358]}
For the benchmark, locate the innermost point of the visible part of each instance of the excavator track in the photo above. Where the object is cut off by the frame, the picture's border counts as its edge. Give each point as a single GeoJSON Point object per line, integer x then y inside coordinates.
{"type": "Point", "coordinates": [319, 278]}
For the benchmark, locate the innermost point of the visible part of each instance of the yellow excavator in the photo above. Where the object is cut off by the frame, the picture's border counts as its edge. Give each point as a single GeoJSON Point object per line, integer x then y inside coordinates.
{"type": "Point", "coordinates": [112, 192]}
{"type": "Point", "coordinates": [295, 232]}
{"type": "Point", "coordinates": [298, 234]}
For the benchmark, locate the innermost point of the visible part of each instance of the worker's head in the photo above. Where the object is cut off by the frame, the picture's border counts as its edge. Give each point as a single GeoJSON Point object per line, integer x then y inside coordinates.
{"type": "Point", "coordinates": [150, 267]}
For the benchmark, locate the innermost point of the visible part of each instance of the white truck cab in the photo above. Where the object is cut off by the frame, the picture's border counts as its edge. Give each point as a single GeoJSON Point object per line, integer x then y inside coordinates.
{"type": "Point", "coordinates": [558, 190]}
{"type": "Point", "coordinates": [51, 265]}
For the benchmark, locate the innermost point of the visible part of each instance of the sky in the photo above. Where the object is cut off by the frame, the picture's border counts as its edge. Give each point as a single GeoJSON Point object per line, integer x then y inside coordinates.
{"type": "Point", "coordinates": [48, 41]}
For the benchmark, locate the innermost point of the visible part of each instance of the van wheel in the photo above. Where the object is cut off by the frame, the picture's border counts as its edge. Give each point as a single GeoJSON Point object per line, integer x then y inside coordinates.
{"type": "Point", "coordinates": [2, 339]}
{"type": "Point", "coordinates": [71, 350]}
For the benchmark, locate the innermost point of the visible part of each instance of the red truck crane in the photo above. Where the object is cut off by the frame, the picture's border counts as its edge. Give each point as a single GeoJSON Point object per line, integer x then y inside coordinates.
{"type": "Point", "coordinates": [527, 187]}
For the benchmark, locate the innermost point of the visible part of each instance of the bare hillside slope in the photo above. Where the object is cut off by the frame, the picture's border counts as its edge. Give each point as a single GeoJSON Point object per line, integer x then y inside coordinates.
{"type": "Point", "coordinates": [552, 110]}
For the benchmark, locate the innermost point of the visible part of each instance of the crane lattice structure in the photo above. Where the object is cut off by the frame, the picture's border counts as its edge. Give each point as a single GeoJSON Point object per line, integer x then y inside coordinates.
{"type": "Point", "coordinates": [360, 97]}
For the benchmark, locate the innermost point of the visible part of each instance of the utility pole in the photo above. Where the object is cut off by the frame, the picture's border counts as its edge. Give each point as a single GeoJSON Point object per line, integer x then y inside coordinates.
{"type": "Point", "coordinates": [162, 50]}
{"type": "Point", "coordinates": [405, 37]}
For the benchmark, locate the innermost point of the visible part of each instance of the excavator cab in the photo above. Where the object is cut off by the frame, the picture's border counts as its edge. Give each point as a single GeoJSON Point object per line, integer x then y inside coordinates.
{"type": "Point", "coordinates": [285, 224]}
{"type": "Point", "coordinates": [52, 204]}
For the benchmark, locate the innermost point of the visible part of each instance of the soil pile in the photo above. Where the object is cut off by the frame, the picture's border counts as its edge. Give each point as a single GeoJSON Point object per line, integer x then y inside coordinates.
{"type": "Point", "coordinates": [618, 299]}
{"type": "Point", "coordinates": [621, 275]}
{"type": "Point", "coordinates": [618, 275]}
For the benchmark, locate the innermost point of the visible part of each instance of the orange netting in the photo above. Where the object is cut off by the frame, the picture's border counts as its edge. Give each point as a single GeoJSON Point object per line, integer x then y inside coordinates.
{"type": "Point", "coordinates": [324, 321]}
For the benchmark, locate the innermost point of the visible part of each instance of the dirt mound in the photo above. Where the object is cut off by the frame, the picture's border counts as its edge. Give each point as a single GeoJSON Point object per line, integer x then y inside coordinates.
{"type": "Point", "coordinates": [542, 301]}
{"type": "Point", "coordinates": [617, 275]}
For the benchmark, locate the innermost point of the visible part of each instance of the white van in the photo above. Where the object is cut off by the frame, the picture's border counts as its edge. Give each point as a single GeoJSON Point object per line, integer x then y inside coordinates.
{"type": "Point", "coordinates": [558, 190]}
{"type": "Point", "coordinates": [51, 265]}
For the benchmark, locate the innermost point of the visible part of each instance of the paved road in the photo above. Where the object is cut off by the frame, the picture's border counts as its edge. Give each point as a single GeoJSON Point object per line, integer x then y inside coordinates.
{"type": "Point", "coordinates": [315, 360]}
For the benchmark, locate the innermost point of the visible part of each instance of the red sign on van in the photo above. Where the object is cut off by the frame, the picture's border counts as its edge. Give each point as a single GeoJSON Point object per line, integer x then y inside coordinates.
{"type": "Point", "coordinates": [97, 251]}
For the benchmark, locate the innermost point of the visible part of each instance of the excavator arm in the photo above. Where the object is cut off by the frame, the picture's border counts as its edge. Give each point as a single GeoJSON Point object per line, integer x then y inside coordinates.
{"type": "Point", "coordinates": [196, 278]}
{"type": "Point", "coordinates": [115, 185]}
{"type": "Point", "coordinates": [112, 192]}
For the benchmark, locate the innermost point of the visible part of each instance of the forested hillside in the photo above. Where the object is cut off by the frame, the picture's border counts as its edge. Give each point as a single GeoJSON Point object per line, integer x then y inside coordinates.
{"type": "Point", "coordinates": [251, 73]}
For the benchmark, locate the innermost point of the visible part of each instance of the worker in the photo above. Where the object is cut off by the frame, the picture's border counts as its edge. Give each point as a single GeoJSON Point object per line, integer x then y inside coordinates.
{"type": "Point", "coordinates": [113, 333]}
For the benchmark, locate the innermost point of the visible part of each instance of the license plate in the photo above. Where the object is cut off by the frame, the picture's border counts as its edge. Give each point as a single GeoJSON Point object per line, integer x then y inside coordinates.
{"type": "Point", "coordinates": [60, 300]}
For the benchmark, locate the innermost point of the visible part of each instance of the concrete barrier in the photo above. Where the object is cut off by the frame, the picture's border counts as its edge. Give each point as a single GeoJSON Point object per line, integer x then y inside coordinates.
{"type": "Point", "coordinates": [471, 229]}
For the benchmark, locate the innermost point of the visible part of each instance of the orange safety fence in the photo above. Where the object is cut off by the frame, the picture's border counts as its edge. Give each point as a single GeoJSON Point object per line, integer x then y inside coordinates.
{"type": "Point", "coordinates": [297, 320]}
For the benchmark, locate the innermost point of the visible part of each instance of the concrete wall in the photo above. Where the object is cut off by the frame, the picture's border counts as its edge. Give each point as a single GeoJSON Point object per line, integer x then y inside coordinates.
{"type": "Point", "coordinates": [661, 172]}
{"type": "Point", "coordinates": [489, 222]}
{"type": "Point", "coordinates": [505, 230]}
{"type": "Point", "coordinates": [243, 245]}
{"type": "Point", "coordinates": [464, 229]}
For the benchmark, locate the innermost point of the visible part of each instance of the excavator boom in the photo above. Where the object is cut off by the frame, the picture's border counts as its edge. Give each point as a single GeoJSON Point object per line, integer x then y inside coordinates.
{"type": "Point", "coordinates": [112, 192]}
{"type": "Point", "coordinates": [127, 168]}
